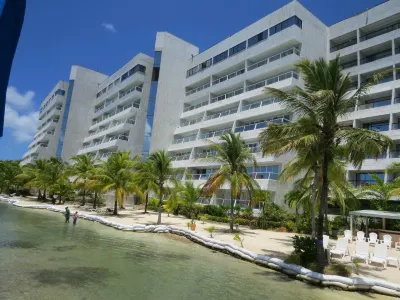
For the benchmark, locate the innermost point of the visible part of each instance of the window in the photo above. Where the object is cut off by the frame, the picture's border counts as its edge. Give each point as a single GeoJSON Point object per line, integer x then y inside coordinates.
{"type": "Point", "coordinates": [258, 38]}
{"type": "Point", "coordinates": [192, 71]}
{"type": "Point", "coordinates": [285, 24]}
{"type": "Point", "coordinates": [135, 69]}
{"type": "Point", "coordinates": [238, 48]}
{"type": "Point", "coordinates": [220, 57]}
{"type": "Point", "coordinates": [205, 64]}
{"type": "Point", "coordinates": [60, 92]}
{"type": "Point", "coordinates": [155, 74]}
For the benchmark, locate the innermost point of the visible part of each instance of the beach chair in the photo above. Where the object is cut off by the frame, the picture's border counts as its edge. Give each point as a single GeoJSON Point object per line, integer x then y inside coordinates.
{"type": "Point", "coordinates": [348, 235]}
{"type": "Point", "coordinates": [373, 238]}
{"type": "Point", "coordinates": [387, 240]}
{"type": "Point", "coordinates": [361, 251]}
{"type": "Point", "coordinates": [341, 247]}
{"type": "Point", "coordinates": [380, 255]}
{"type": "Point", "coordinates": [325, 241]}
{"type": "Point", "coordinates": [397, 245]}
{"type": "Point", "coordinates": [360, 236]}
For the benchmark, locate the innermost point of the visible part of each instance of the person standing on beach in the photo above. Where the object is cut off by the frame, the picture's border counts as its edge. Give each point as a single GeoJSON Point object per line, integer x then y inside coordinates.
{"type": "Point", "coordinates": [74, 218]}
{"type": "Point", "coordinates": [67, 214]}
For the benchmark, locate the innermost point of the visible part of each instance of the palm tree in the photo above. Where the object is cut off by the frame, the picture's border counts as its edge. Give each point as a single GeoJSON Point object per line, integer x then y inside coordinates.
{"type": "Point", "coordinates": [145, 181]}
{"type": "Point", "coordinates": [234, 155]}
{"type": "Point", "coordinates": [158, 173]}
{"type": "Point", "coordinates": [327, 96]}
{"type": "Point", "coordinates": [9, 170]}
{"type": "Point", "coordinates": [190, 194]}
{"type": "Point", "coordinates": [55, 170]}
{"type": "Point", "coordinates": [115, 175]}
{"type": "Point", "coordinates": [84, 169]}
{"type": "Point", "coordinates": [63, 188]}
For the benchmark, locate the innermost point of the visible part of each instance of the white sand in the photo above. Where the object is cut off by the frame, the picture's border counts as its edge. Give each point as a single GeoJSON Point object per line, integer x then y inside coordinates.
{"type": "Point", "coordinates": [271, 243]}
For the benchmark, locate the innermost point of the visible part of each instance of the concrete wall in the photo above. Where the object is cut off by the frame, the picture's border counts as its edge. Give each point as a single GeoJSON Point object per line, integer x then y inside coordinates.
{"type": "Point", "coordinates": [171, 86]}
{"type": "Point", "coordinates": [84, 92]}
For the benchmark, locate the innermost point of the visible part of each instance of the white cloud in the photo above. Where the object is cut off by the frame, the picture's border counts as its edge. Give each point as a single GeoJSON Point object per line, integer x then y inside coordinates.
{"type": "Point", "coordinates": [109, 27]}
{"type": "Point", "coordinates": [19, 101]}
{"type": "Point", "coordinates": [19, 115]}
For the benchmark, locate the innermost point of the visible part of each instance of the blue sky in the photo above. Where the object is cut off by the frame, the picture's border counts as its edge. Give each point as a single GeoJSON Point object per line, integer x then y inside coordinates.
{"type": "Point", "coordinates": [104, 35]}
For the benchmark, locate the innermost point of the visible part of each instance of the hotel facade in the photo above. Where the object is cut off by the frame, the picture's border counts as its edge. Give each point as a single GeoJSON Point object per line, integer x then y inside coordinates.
{"type": "Point", "coordinates": [181, 98]}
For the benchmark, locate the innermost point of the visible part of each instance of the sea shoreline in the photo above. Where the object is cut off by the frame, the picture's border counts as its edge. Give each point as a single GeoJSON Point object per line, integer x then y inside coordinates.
{"type": "Point", "coordinates": [348, 284]}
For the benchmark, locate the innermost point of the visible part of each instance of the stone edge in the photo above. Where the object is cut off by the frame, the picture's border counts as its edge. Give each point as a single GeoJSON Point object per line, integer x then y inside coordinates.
{"type": "Point", "coordinates": [294, 271]}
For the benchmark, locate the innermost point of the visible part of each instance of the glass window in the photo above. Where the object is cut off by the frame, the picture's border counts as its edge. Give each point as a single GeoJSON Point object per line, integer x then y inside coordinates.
{"type": "Point", "coordinates": [238, 48]}
{"type": "Point", "coordinates": [60, 92]}
{"type": "Point", "coordinates": [258, 38]}
{"type": "Point", "coordinates": [220, 57]}
{"type": "Point", "coordinates": [205, 64]}
{"type": "Point", "coordinates": [157, 58]}
{"type": "Point", "coordinates": [192, 71]}
{"type": "Point", "coordinates": [156, 74]}
{"type": "Point", "coordinates": [124, 76]}
{"type": "Point", "coordinates": [285, 24]}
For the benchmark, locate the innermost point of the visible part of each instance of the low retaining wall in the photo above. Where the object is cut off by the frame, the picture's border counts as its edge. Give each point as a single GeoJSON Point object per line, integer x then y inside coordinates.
{"type": "Point", "coordinates": [295, 271]}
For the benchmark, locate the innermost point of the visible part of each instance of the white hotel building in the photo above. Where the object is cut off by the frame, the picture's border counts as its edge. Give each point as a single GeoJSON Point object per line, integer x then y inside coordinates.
{"type": "Point", "coordinates": [182, 98]}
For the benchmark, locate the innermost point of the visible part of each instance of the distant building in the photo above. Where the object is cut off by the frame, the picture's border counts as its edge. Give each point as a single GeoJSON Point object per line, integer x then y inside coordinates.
{"type": "Point", "coordinates": [183, 98]}
{"type": "Point", "coordinates": [12, 14]}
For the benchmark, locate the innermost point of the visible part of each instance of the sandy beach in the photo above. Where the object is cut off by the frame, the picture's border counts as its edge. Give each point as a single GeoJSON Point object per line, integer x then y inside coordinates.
{"type": "Point", "coordinates": [271, 243]}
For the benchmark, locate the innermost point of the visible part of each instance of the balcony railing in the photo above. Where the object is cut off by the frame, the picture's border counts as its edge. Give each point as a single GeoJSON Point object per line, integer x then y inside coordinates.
{"type": "Point", "coordinates": [227, 77]}
{"type": "Point", "coordinates": [105, 154]}
{"type": "Point", "coordinates": [346, 44]}
{"type": "Point", "coordinates": [181, 157]}
{"type": "Point", "coordinates": [375, 103]}
{"type": "Point", "coordinates": [272, 80]}
{"type": "Point", "coordinates": [394, 154]}
{"type": "Point", "coordinates": [214, 133]}
{"type": "Point", "coordinates": [395, 126]}
{"type": "Point", "coordinates": [189, 108]}
{"type": "Point", "coordinates": [379, 156]}
{"type": "Point", "coordinates": [127, 121]}
{"type": "Point", "coordinates": [221, 114]}
{"type": "Point", "coordinates": [116, 111]}
{"type": "Point", "coordinates": [378, 127]}
{"type": "Point", "coordinates": [255, 149]}
{"type": "Point", "coordinates": [349, 64]}
{"type": "Point", "coordinates": [260, 125]}
{"type": "Point", "coordinates": [264, 175]}
{"type": "Point", "coordinates": [261, 103]}
{"type": "Point", "coordinates": [191, 122]}
{"type": "Point", "coordinates": [198, 176]}
{"type": "Point", "coordinates": [273, 58]}
{"type": "Point", "coordinates": [118, 137]}
{"type": "Point", "coordinates": [205, 154]}
{"type": "Point", "coordinates": [132, 89]}
{"type": "Point", "coordinates": [375, 33]}
{"type": "Point", "coordinates": [198, 89]}
{"type": "Point", "coordinates": [376, 56]}
{"type": "Point", "coordinates": [361, 183]}
{"type": "Point", "coordinates": [185, 139]}
{"type": "Point", "coordinates": [227, 95]}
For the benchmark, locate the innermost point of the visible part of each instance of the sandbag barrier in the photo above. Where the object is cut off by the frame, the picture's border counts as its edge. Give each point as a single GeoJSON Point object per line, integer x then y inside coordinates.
{"type": "Point", "coordinates": [300, 273]}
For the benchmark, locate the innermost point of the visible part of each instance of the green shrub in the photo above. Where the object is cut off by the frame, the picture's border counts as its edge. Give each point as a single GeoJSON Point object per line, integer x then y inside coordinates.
{"type": "Point", "coordinates": [203, 219]}
{"type": "Point", "coordinates": [214, 210]}
{"type": "Point", "coordinates": [243, 222]}
{"type": "Point", "coordinates": [237, 209]}
{"type": "Point", "coordinates": [218, 219]}
{"type": "Point", "coordinates": [294, 258]}
{"type": "Point", "coordinates": [338, 269]}
{"type": "Point", "coordinates": [304, 224]}
{"type": "Point", "coordinates": [210, 229]}
{"type": "Point", "coordinates": [247, 212]}
{"type": "Point", "coordinates": [153, 204]}
{"type": "Point", "coordinates": [290, 226]}
{"type": "Point", "coordinates": [306, 248]}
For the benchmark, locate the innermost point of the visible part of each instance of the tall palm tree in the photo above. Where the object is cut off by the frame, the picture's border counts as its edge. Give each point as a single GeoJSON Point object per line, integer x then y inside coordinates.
{"type": "Point", "coordinates": [327, 96]}
{"type": "Point", "coordinates": [83, 168]}
{"type": "Point", "coordinates": [190, 194]}
{"type": "Point", "coordinates": [145, 181]}
{"type": "Point", "coordinates": [234, 156]}
{"type": "Point", "coordinates": [55, 170]}
{"type": "Point", "coordinates": [116, 174]}
{"type": "Point", "coordinates": [9, 170]}
{"type": "Point", "coordinates": [159, 172]}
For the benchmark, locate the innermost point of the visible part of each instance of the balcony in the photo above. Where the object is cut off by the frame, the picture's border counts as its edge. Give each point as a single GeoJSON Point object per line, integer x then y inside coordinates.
{"type": "Point", "coordinates": [260, 104]}
{"type": "Point", "coordinates": [260, 125]}
{"type": "Point", "coordinates": [117, 125]}
{"type": "Point", "coordinates": [349, 64]}
{"type": "Point", "coordinates": [116, 112]}
{"type": "Point", "coordinates": [379, 32]}
{"type": "Point", "coordinates": [221, 114]}
{"type": "Point", "coordinates": [394, 154]}
{"type": "Point", "coordinates": [227, 77]}
{"type": "Point", "coordinates": [191, 122]}
{"type": "Point", "coordinates": [273, 58]}
{"type": "Point", "coordinates": [376, 56]}
{"type": "Point", "coordinates": [205, 154]}
{"type": "Point", "coordinates": [110, 142]}
{"type": "Point", "coordinates": [227, 95]}
{"type": "Point", "coordinates": [361, 183]}
{"type": "Point", "coordinates": [215, 133]}
{"type": "Point", "coordinates": [185, 139]}
{"type": "Point", "coordinates": [264, 175]}
{"type": "Point", "coordinates": [192, 107]}
{"type": "Point", "coordinates": [198, 89]}
{"type": "Point", "coordinates": [272, 80]}
{"type": "Point", "coordinates": [198, 177]}
{"type": "Point", "coordinates": [375, 103]}
{"type": "Point", "coordinates": [343, 45]}
{"type": "Point", "coordinates": [379, 127]}
{"type": "Point", "coordinates": [181, 157]}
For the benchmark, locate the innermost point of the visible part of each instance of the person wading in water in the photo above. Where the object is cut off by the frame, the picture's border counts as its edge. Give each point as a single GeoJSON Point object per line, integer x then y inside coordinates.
{"type": "Point", "coordinates": [67, 215]}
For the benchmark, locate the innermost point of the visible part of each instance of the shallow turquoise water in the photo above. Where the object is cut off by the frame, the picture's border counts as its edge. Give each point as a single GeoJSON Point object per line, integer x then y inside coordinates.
{"type": "Point", "coordinates": [43, 258]}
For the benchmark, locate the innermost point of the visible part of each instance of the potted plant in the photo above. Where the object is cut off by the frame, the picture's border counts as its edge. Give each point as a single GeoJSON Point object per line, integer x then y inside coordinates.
{"type": "Point", "coordinates": [193, 225]}
{"type": "Point", "coordinates": [283, 229]}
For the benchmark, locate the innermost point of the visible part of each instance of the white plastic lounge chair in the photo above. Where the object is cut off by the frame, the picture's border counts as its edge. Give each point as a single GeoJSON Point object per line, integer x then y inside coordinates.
{"type": "Point", "coordinates": [380, 255]}
{"type": "Point", "coordinates": [397, 245]}
{"type": "Point", "coordinates": [325, 241]}
{"type": "Point", "coordinates": [341, 247]}
{"type": "Point", "coordinates": [360, 236]}
{"type": "Point", "coordinates": [361, 251]}
{"type": "Point", "coordinates": [348, 235]}
{"type": "Point", "coordinates": [373, 238]}
{"type": "Point", "coordinates": [387, 240]}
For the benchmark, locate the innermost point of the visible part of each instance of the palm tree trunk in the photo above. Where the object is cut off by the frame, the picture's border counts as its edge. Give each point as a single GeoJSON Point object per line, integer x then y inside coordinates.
{"type": "Point", "coordinates": [84, 198]}
{"type": "Point", "coordinates": [232, 214]}
{"type": "Point", "coordinates": [115, 205]}
{"type": "Point", "coordinates": [146, 203]}
{"type": "Point", "coordinates": [39, 195]}
{"type": "Point", "coordinates": [313, 198]}
{"type": "Point", "coordinates": [44, 195]}
{"type": "Point", "coordinates": [59, 200]}
{"type": "Point", "coordinates": [326, 218]}
{"type": "Point", "coordinates": [95, 200]}
{"type": "Point", "coordinates": [159, 205]}
{"type": "Point", "coordinates": [321, 257]}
